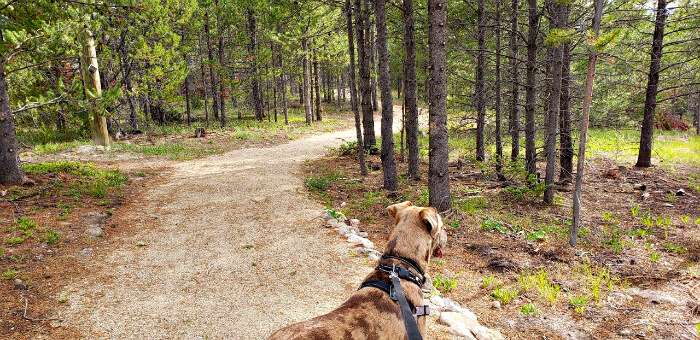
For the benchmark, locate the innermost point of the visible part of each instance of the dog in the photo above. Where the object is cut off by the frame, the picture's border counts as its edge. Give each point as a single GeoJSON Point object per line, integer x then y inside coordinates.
{"type": "Point", "coordinates": [370, 312]}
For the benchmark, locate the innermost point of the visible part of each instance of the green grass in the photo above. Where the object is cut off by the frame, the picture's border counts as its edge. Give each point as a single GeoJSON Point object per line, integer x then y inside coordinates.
{"type": "Point", "coordinates": [529, 309]}
{"type": "Point", "coordinates": [504, 295]}
{"type": "Point", "coordinates": [9, 274]}
{"type": "Point", "coordinates": [445, 284]}
{"type": "Point", "coordinates": [623, 145]}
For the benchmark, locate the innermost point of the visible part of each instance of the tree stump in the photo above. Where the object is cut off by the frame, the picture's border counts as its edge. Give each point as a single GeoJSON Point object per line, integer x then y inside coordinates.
{"type": "Point", "coordinates": [199, 132]}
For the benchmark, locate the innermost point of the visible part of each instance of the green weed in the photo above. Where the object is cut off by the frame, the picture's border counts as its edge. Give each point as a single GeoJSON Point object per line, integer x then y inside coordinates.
{"type": "Point", "coordinates": [9, 274]}
{"type": "Point", "coordinates": [579, 304]}
{"type": "Point", "coordinates": [674, 247]}
{"type": "Point", "coordinates": [529, 309]}
{"type": "Point", "coordinates": [446, 284]}
{"type": "Point", "coordinates": [504, 295]}
{"type": "Point", "coordinates": [494, 225]}
{"type": "Point", "coordinates": [50, 237]}
{"type": "Point", "coordinates": [654, 255]}
{"type": "Point", "coordinates": [14, 240]}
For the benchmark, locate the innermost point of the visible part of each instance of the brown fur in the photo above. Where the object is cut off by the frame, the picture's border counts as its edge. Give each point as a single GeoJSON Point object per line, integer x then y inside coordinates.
{"type": "Point", "coordinates": [370, 313]}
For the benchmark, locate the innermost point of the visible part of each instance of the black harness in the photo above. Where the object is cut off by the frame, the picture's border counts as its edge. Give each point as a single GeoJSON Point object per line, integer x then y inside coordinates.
{"type": "Point", "coordinates": [409, 312]}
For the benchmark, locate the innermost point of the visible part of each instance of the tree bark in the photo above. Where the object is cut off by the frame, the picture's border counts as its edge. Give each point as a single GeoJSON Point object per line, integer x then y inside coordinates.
{"type": "Point", "coordinates": [411, 91]}
{"type": "Point", "coordinates": [499, 142]}
{"type": "Point", "coordinates": [353, 88]}
{"type": "Point", "coordinates": [212, 71]}
{"type": "Point", "coordinates": [587, 99]}
{"type": "Point", "coordinates": [363, 55]}
{"type": "Point", "coordinates": [222, 86]}
{"type": "Point", "coordinates": [204, 84]}
{"type": "Point", "coordinates": [514, 118]}
{"type": "Point", "coordinates": [11, 172]}
{"type": "Point", "coordinates": [530, 89]}
{"type": "Point", "coordinates": [566, 159]}
{"type": "Point", "coordinates": [438, 174]}
{"type": "Point", "coordinates": [373, 62]}
{"type": "Point", "coordinates": [319, 109]}
{"type": "Point", "coordinates": [480, 86]}
{"type": "Point", "coordinates": [556, 13]}
{"type": "Point", "coordinates": [307, 81]}
{"type": "Point", "coordinates": [282, 80]}
{"type": "Point", "coordinates": [647, 137]}
{"type": "Point", "coordinates": [252, 57]}
{"type": "Point", "coordinates": [388, 156]}
{"type": "Point", "coordinates": [93, 90]}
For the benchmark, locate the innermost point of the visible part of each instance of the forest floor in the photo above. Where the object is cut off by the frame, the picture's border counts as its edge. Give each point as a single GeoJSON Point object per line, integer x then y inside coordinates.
{"type": "Point", "coordinates": [634, 274]}
{"type": "Point", "coordinates": [176, 237]}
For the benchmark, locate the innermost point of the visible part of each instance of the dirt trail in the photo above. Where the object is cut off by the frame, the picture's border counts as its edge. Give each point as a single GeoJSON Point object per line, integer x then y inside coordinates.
{"type": "Point", "coordinates": [196, 278]}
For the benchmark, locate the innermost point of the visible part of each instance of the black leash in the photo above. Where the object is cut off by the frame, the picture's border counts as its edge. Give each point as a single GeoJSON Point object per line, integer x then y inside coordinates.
{"type": "Point", "coordinates": [408, 321]}
{"type": "Point", "coordinates": [395, 292]}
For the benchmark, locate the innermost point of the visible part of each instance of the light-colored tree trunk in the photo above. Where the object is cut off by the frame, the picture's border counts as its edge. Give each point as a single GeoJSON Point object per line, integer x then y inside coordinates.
{"type": "Point", "coordinates": [587, 99]}
{"type": "Point", "coordinates": [93, 90]}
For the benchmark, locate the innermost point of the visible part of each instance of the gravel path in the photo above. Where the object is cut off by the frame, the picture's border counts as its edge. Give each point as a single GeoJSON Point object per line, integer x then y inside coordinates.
{"type": "Point", "coordinates": [196, 279]}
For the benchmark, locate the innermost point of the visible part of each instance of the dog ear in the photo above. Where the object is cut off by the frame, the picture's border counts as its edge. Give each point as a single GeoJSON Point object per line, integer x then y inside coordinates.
{"type": "Point", "coordinates": [395, 208]}
{"type": "Point", "coordinates": [430, 217]}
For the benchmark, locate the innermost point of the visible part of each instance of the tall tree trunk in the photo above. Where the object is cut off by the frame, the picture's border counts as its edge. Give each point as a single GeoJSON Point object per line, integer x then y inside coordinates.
{"type": "Point", "coordinates": [411, 91]}
{"type": "Point", "coordinates": [697, 115]}
{"type": "Point", "coordinates": [93, 90]}
{"type": "Point", "coordinates": [353, 88]}
{"type": "Point", "coordinates": [312, 86]}
{"type": "Point", "coordinates": [530, 90]}
{"type": "Point", "coordinates": [566, 160]}
{"type": "Point", "coordinates": [587, 99]}
{"type": "Point", "coordinates": [499, 142]}
{"type": "Point", "coordinates": [204, 83]}
{"type": "Point", "coordinates": [212, 71]}
{"type": "Point", "coordinates": [645, 143]}
{"type": "Point", "coordinates": [220, 66]}
{"type": "Point", "coordinates": [557, 11]}
{"type": "Point", "coordinates": [307, 81]}
{"type": "Point", "coordinates": [363, 55]}
{"type": "Point", "coordinates": [514, 118]}
{"type": "Point", "coordinates": [253, 57]}
{"type": "Point", "coordinates": [281, 80]}
{"type": "Point", "coordinates": [11, 172]}
{"type": "Point", "coordinates": [480, 86]}
{"type": "Point", "coordinates": [388, 156]}
{"type": "Point", "coordinates": [319, 109]}
{"type": "Point", "coordinates": [438, 174]}
{"type": "Point", "coordinates": [373, 62]}
{"type": "Point", "coordinates": [187, 98]}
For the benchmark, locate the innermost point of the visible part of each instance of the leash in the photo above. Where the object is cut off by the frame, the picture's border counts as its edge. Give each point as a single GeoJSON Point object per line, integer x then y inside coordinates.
{"type": "Point", "coordinates": [408, 321]}
{"type": "Point", "coordinates": [396, 293]}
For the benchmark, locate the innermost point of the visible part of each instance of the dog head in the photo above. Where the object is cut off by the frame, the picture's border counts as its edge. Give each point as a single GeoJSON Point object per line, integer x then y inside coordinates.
{"type": "Point", "coordinates": [417, 230]}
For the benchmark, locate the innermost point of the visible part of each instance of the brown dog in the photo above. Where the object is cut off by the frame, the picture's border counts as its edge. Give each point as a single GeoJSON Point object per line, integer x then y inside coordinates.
{"type": "Point", "coordinates": [370, 313]}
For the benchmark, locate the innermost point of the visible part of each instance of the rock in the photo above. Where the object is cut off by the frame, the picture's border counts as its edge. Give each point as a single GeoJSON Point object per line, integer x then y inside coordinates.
{"type": "Point", "coordinates": [645, 196]}
{"type": "Point", "coordinates": [343, 204]}
{"type": "Point", "coordinates": [496, 304]}
{"type": "Point", "coordinates": [641, 334]}
{"type": "Point", "coordinates": [332, 223]}
{"type": "Point", "coordinates": [365, 242]}
{"type": "Point", "coordinates": [625, 332]}
{"type": "Point", "coordinates": [355, 222]}
{"type": "Point", "coordinates": [454, 318]}
{"type": "Point", "coordinates": [461, 330]}
{"type": "Point", "coordinates": [18, 282]}
{"type": "Point", "coordinates": [495, 334]}
{"type": "Point", "coordinates": [619, 298]}
{"type": "Point", "coordinates": [362, 234]}
{"type": "Point", "coordinates": [481, 333]}
{"type": "Point", "coordinates": [641, 187]}
{"type": "Point", "coordinates": [374, 257]}
{"type": "Point", "coordinates": [94, 232]}
{"type": "Point", "coordinates": [86, 251]}
{"type": "Point", "coordinates": [438, 301]}
{"type": "Point", "coordinates": [359, 251]}
{"type": "Point", "coordinates": [454, 306]}
{"type": "Point", "coordinates": [680, 192]}
{"type": "Point", "coordinates": [343, 230]}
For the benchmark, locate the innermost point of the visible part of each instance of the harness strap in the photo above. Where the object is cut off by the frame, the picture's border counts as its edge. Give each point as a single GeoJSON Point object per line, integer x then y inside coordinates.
{"type": "Point", "coordinates": [406, 261]}
{"type": "Point", "coordinates": [403, 273]}
{"type": "Point", "coordinates": [408, 321]}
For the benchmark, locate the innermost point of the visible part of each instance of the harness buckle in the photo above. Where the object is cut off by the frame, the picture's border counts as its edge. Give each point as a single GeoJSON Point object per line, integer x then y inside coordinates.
{"type": "Point", "coordinates": [392, 293]}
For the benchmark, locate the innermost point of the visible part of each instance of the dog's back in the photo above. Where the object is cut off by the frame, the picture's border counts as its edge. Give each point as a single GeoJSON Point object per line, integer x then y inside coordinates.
{"type": "Point", "coordinates": [367, 314]}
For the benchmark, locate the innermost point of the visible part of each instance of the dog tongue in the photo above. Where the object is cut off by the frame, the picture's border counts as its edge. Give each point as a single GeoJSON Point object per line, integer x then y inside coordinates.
{"type": "Point", "coordinates": [438, 252]}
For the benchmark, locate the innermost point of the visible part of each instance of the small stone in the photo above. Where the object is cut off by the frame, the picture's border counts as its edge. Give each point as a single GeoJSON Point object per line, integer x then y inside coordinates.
{"type": "Point", "coordinates": [625, 332]}
{"type": "Point", "coordinates": [86, 251]}
{"type": "Point", "coordinates": [374, 257]}
{"type": "Point", "coordinates": [455, 318]}
{"type": "Point", "coordinates": [365, 242]}
{"type": "Point", "coordinates": [462, 331]}
{"type": "Point", "coordinates": [343, 204]}
{"type": "Point", "coordinates": [355, 222]}
{"type": "Point", "coordinates": [641, 334]}
{"type": "Point", "coordinates": [359, 251]}
{"type": "Point", "coordinates": [438, 301]}
{"type": "Point", "coordinates": [680, 192]}
{"type": "Point", "coordinates": [495, 335]}
{"type": "Point", "coordinates": [362, 234]}
{"type": "Point", "coordinates": [645, 196]}
{"type": "Point", "coordinates": [343, 230]}
{"type": "Point", "coordinates": [495, 304]}
{"type": "Point", "coordinates": [94, 232]}
{"type": "Point", "coordinates": [332, 223]}
{"type": "Point", "coordinates": [481, 333]}
{"type": "Point", "coordinates": [18, 282]}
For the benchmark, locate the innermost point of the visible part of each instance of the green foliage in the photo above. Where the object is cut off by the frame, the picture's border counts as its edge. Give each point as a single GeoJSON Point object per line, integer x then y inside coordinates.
{"type": "Point", "coordinates": [320, 183]}
{"type": "Point", "coordinates": [670, 246]}
{"type": "Point", "coordinates": [504, 295]}
{"type": "Point", "coordinates": [9, 274]}
{"type": "Point", "coordinates": [50, 237]}
{"type": "Point", "coordinates": [445, 284]}
{"type": "Point", "coordinates": [14, 240]}
{"type": "Point", "coordinates": [494, 225]}
{"type": "Point", "coordinates": [529, 309]}
{"type": "Point", "coordinates": [579, 304]}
